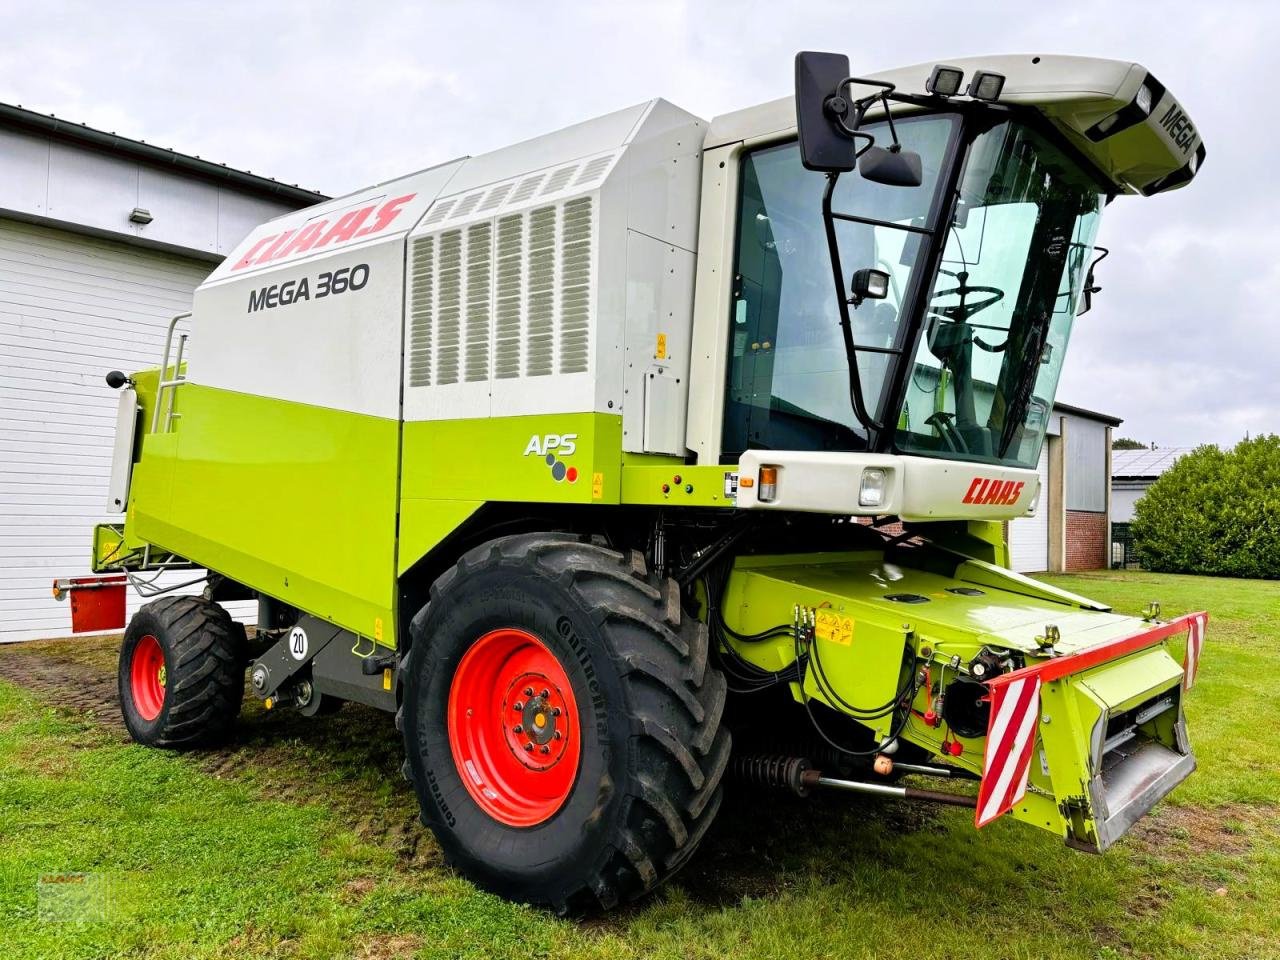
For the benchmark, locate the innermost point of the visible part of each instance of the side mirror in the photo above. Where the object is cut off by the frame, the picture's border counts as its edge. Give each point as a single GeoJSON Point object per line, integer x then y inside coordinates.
{"type": "Point", "coordinates": [820, 105]}
{"type": "Point", "coordinates": [894, 168]}
{"type": "Point", "coordinates": [869, 284]}
{"type": "Point", "coordinates": [1090, 285]}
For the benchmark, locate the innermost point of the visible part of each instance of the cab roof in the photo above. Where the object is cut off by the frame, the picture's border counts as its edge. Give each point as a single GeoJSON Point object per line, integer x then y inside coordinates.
{"type": "Point", "coordinates": [1151, 145]}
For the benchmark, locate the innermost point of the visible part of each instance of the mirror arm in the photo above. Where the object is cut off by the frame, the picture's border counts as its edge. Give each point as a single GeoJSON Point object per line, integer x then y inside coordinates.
{"type": "Point", "coordinates": [871, 425]}
{"type": "Point", "coordinates": [1090, 285]}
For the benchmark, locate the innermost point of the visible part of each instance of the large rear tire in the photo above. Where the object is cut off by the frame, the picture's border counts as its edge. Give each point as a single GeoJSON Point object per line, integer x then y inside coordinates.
{"type": "Point", "coordinates": [562, 723]}
{"type": "Point", "coordinates": [181, 673]}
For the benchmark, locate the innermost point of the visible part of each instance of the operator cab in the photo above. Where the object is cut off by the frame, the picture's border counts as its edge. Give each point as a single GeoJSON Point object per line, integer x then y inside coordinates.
{"type": "Point", "coordinates": [907, 269]}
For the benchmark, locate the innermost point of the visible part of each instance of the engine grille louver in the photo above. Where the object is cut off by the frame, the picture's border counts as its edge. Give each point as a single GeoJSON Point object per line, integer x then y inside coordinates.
{"type": "Point", "coordinates": [449, 307]}
{"type": "Point", "coordinates": [479, 258]}
{"type": "Point", "coordinates": [421, 311]}
{"type": "Point", "coordinates": [508, 295]}
{"type": "Point", "coordinates": [575, 285]}
{"type": "Point", "coordinates": [510, 298]}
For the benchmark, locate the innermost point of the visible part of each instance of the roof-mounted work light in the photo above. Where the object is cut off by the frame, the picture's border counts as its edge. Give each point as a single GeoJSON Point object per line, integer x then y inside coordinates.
{"type": "Point", "coordinates": [986, 85]}
{"type": "Point", "coordinates": [945, 81]}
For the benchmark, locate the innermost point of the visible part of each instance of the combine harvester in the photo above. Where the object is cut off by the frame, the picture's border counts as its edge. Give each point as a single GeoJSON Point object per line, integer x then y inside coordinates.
{"type": "Point", "coordinates": [578, 454]}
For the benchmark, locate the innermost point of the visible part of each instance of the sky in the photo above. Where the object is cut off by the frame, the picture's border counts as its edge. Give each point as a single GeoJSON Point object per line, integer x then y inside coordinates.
{"type": "Point", "coordinates": [1183, 342]}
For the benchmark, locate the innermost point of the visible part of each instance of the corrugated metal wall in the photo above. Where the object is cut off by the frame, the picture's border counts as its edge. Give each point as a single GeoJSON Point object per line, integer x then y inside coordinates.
{"type": "Point", "coordinates": [1086, 468]}
{"type": "Point", "coordinates": [71, 308]}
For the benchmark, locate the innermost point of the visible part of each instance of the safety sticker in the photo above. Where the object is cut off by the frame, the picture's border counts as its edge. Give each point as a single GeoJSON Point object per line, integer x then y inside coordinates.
{"type": "Point", "coordinates": [834, 627]}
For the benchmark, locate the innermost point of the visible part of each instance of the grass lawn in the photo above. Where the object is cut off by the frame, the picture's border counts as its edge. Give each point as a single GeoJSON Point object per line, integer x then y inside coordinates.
{"type": "Point", "coordinates": [301, 840]}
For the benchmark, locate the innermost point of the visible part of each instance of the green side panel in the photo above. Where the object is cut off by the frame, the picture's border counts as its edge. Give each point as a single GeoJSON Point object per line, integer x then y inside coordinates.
{"type": "Point", "coordinates": [676, 484]}
{"type": "Point", "coordinates": [294, 500]}
{"type": "Point", "coordinates": [860, 649]}
{"type": "Point", "coordinates": [424, 523]}
{"type": "Point", "coordinates": [554, 458]}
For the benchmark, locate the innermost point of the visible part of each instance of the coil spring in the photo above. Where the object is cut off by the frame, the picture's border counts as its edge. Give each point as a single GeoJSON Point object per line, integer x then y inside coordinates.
{"type": "Point", "coordinates": [772, 772]}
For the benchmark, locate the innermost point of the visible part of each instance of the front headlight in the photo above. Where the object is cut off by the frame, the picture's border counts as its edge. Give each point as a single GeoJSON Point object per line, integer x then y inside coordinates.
{"type": "Point", "coordinates": [871, 489]}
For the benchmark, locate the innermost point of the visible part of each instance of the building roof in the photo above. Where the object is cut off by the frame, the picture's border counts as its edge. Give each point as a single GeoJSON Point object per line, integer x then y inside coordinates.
{"type": "Point", "coordinates": [48, 125]}
{"type": "Point", "coordinates": [1087, 414]}
{"type": "Point", "coordinates": [1145, 464]}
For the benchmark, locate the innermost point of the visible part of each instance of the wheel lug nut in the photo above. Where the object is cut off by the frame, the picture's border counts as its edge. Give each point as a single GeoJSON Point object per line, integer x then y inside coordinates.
{"type": "Point", "coordinates": [545, 693]}
{"type": "Point", "coordinates": [528, 691]}
{"type": "Point", "coordinates": [518, 728]}
{"type": "Point", "coordinates": [528, 748]}
{"type": "Point", "coordinates": [555, 711]}
{"type": "Point", "coordinates": [559, 735]}
{"type": "Point", "coordinates": [518, 705]}
{"type": "Point", "coordinates": [546, 749]}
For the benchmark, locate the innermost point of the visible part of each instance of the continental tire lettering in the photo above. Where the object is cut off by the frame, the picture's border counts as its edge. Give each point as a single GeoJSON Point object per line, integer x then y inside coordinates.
{"type": "Point", "coordinates": [329, 283]}
{"type": "Point", "coordinates": [565, 628]}
{"type": "Point", "coordinates": [434, 786]}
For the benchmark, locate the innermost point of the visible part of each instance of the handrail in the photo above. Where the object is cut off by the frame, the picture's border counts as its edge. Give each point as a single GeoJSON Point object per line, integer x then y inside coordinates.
{"type": "Point", "coordinates": [165, 382]}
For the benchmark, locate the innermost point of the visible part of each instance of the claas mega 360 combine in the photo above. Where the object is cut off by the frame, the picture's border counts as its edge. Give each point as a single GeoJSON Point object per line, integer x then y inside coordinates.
{"type": "Point", "coordinates": [581, 454]}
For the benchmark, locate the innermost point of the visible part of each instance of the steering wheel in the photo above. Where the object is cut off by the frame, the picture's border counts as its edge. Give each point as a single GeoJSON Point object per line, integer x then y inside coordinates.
{"type": "Point", "coordinates": [962, 311]}
{"type": "Point", "coordinates": [966, 308]}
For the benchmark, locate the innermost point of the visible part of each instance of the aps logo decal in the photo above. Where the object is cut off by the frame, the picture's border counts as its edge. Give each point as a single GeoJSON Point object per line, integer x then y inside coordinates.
{"type": "Point", "coordinates": [553, 446]}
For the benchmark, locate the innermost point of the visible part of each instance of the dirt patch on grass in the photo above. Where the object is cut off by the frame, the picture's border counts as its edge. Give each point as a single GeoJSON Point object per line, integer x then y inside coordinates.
{"type": "Point", "coordinates": [77, 687]}
{"type": "Point", "coordinates": [389, 946]}
{"type": "Point", "coordinates": [1230, 830]}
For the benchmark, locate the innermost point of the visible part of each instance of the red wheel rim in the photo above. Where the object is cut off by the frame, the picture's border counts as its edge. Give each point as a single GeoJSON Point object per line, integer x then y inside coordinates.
{"type": "Point", "coordinates": [513, 727]}
{"type": "Point", "coordinates": [146, 677]}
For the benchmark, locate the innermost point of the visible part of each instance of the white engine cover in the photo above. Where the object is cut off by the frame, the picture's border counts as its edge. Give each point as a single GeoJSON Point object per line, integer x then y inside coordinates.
{"type": "Point", "coordinates": [556, 276]}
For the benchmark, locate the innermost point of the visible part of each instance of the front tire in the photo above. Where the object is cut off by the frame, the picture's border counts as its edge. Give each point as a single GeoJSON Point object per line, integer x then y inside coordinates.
{"type": "Point", "coordinates": [181, 673]}
{"type": "Point", "coordinates": [562, 723]}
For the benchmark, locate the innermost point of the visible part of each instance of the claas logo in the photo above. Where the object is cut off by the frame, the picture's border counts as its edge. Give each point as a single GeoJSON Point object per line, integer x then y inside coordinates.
{"type": "Point", "coordinates": [993, 491]}
{"type": "Point", "coordinates": [551, 447]}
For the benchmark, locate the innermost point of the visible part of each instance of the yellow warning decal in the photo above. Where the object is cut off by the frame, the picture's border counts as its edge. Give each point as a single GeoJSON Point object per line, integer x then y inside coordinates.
{"type": "Point", "coordinates": [834, 627]}
{"type": "Point", "coordinates": [660, 351]}
{"type": "Point", "coordinates": [597, 486]}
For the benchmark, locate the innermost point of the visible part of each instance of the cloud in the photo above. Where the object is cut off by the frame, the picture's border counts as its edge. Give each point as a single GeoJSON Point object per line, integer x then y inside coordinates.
{"type": "Point", "coordinates": [1182, 342]}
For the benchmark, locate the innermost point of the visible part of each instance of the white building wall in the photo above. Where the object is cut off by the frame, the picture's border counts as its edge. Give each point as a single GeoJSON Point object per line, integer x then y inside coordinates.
{"type": "Point", "coordinates": [71, 308]}
{"type": "Point", "coordinates": [1029, 536]}
{"type": "Point", "coordinates": [49, 180]}
{"type": "Point", "coordinates": [1123, 500]}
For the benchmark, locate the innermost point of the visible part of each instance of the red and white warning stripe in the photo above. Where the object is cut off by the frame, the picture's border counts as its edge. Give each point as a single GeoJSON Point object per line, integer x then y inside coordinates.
{"type": "Point", "coordinates": [1195, 644]}
{"type": "Point", "coordinates": [1011, 738]}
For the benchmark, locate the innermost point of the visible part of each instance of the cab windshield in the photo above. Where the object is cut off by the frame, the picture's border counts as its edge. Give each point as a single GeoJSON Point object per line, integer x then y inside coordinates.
{"type": "Point", "coordinates": [979, 344]}
{"type": "Point", "coordinates": [1000, 310]}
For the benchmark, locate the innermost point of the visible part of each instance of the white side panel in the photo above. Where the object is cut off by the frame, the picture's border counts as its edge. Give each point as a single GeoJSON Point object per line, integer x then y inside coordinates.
{"type": "Point", "coordinates": [122, 451]}
{"type": "Point", "coordinates": [283, 336]}
{"type": "Point", "coordinates": [663, 413]}
{"type": "Point", "coordinates": [309, 308]}
{"type": "Point", "coordinates": [71, 308]}
{"type": "Point", "coordinates": [1029, 536]}
{"type": "Point", "coordinates": [658, 329]}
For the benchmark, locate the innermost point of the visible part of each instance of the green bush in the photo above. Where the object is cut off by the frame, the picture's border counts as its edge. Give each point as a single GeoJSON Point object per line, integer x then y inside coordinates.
{"type": "Point", "coordinates": [1214, 512]}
